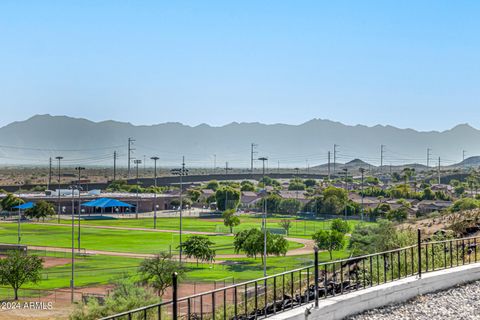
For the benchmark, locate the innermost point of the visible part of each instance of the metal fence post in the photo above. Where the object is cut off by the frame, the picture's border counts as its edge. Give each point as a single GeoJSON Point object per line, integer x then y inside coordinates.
{"type": "Point", "coordinates": [419, 247]}
{"type": "Point", "coordinates": [316, 276]}
{"type": "Point", "coordinates": [174, 295]}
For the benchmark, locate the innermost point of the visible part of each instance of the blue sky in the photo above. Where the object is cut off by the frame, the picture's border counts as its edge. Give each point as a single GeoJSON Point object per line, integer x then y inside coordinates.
{"type": "Point", "coordinates": [405, 63]}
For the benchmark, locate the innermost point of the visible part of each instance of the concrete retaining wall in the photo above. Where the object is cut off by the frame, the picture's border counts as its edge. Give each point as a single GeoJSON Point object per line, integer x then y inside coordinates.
{"type": "Point", "coordinates": [391, 293]}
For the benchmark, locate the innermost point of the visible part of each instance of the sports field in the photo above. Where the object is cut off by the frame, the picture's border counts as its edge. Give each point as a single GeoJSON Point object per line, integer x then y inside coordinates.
{"type": "Point", "coordinates": [134, 241]}
{"type": "Point", "coordinates": [97, 270]}
{"type": "Point", "coordinates": [300, 228]}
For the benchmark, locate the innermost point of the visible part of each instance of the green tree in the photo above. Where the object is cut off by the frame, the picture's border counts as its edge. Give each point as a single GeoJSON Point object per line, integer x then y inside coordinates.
{"type": "Point", "coordinates": [289, 206]}
{"type": "Point", "coordinates": [309, 183]}
{"type": "Point", "coordinates": [382, 209]}
{"type": "Point", "coordinates": [383, 236]}
{"type": "Point", "coordinates": [428, 194]}
{"type": "Point", "coordinates": [459, 190]}
{"type": "Point", "coordinates": [124, 296]}
{"type": "Point", "coordinates": [314, 205]}
{"type": "Point", "coordinates": [227, 198]}
{"type": "Point", "coordinates": [199, 248]}
{"type": "Point", "coordinates": [276, 244]}
{"type": "Point", "coordinates": [18, 268]}
{"type": "Point", "coordinates": [10, 201]}
{"type": "Point", "coordinates": [41, 210]}
{"type": "Point", "coordinates": [408, 173]}
{"type": "Point", "coordinates": [296, 184]}
{"type": "Point", "coordinates": [286, 224]}
{"type": "Point", "coordinates": [157, 271]}
{"type": "Point", "coordinates": [330, 240]}
{"type": "Point", "coordinates": [372, 180]}
{"type": "Point", "coordinates": [214, 185]}
{"type": "Point", "coordinates": [465, 204]}
{"type": "Point", "coordinates": [267, 181]}
{"type": "Point", "coordinates": [273, 203]}
{"type": "Point", "coordinates": [247, 186]}
{"type": "Point", "coordinates": [251, 242]}
{"type": "Point", "coordinates": [194, 194]}
{"type": "Point", "coordinates": [399, 214]}
{"type": "Point", "coordinates": [334, 200]}
{"type": "Point", "coordinates": [340, 225]}
{"type": "Point", "coordinates": [230, 219]}
{"type": "Point", "coordinates": [332, 205]}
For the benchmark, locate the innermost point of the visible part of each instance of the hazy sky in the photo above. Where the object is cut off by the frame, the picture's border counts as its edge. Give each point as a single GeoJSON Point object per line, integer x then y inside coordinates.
{"type": "Point", "coordinates": [405, 63]}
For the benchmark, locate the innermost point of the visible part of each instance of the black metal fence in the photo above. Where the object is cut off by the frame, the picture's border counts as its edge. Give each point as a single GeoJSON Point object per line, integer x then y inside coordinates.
{"type": "Point", "coordinates": [267, 296]}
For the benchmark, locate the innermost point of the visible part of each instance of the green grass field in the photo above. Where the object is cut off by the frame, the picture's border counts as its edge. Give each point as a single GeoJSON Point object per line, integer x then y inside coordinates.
{"type": "Point", "coordinates": [135, 241]}
{"type": "Point", "coordinates": [300, 228]}
{"type": "Point", "coordinates": [100, 270]}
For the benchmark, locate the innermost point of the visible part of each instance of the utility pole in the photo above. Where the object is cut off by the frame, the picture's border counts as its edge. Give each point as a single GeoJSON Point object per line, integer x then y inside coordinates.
{"type": "Point", "coordinates": [59, 178]}
{"type": "Point", "coordinates": [328, 165]}
{"type": "Point", "coordinates": [334, 157]}
{"type": "Point", "coordinates": [428, 157]}
{"type": "Point", "coordinates": [227, 168]}
{"type": "Point", "coordinates": [79, 169]}
{"type": "Point", "coordinates": [264, 222]}
{"type": "Point", "coordinates": [137, 162]}
{"type": "Point", "coordinates": [253, 146]}
{"type": "Point", "coordinates": [155, 159]}
{"type": "Point", "coordinates": [181, 172]}
{"type": "Point", "coordinates": [50, 174]}
{"type": "Point", "coordinates": [463, 159]}
{"type": "Point", "coordinates": [72, 279]}
{"type": "Point", "coordinates": [114, 165]}
{"type": "Point", "coordinates": [278, 166]}
{"type": "Point", "coordinates": [382, 151]}
{"type": "Point", "coordinates": [129, 155]}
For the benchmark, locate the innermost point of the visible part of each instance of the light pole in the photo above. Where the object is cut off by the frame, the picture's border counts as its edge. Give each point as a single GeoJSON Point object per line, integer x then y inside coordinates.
{"type": "Point", "coordinates": [79, 169]}
{"type": "Point", "coordinates": [155, 159]}
{"type": "Point", "coordinates": [59, 176]}
{"type": "Point", "coordinates": [181, 172]}
{"type": "Point", "coordinates": [72, 280]}
{"type": "Point", "coordinates": [137, 162]}
{"type": "Point", "coordinates": [362, 171]}
{"type": "Point", "coordinates": [346, 189]}
{"type": "Point", "coordinates": [264, 222]}
{"type": "Point", "coordinates": [19, 212]}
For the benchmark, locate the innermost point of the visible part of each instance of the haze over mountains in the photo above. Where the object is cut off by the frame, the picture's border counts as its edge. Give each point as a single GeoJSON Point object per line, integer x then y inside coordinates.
{"type": "Point", "coordinates": [82, 141]}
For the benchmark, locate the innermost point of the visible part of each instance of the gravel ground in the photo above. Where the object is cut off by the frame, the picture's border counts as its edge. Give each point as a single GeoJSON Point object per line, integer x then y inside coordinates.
{"type": "Point", "coordinates": [462, 302]}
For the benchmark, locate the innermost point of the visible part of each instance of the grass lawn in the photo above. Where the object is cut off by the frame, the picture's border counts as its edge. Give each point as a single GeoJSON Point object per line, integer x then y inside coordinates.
{"type": "Point", "coordinates": [301, 228]}
{"type": "Point", "coordinates": [107, 239]}
{"type": "Point", "coordinates": [248, 268]}
{"type": "Point", "coordinates": [100, 270]}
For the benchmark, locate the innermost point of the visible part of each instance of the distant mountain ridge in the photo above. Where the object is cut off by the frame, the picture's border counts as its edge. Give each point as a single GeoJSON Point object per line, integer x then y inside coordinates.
{"type": "Point", "coordinates": [36, 139]}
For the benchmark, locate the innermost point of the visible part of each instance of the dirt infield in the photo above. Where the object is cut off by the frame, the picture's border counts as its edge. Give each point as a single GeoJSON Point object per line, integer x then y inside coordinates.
{"type": "Point", "coordinates": [45, 305]}
{"type": "Point", "coordinates": [49, 262]}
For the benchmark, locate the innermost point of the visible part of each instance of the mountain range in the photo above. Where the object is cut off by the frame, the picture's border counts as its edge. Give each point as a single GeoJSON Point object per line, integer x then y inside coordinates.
{"type": "Point", "coordinates": [82, 141]}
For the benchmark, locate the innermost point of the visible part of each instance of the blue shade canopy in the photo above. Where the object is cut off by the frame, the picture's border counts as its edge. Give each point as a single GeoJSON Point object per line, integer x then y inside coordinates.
{"type": "Point", "coordinates": [106, 203]}
{"type": "Point", "coordinates": [25, 206]}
